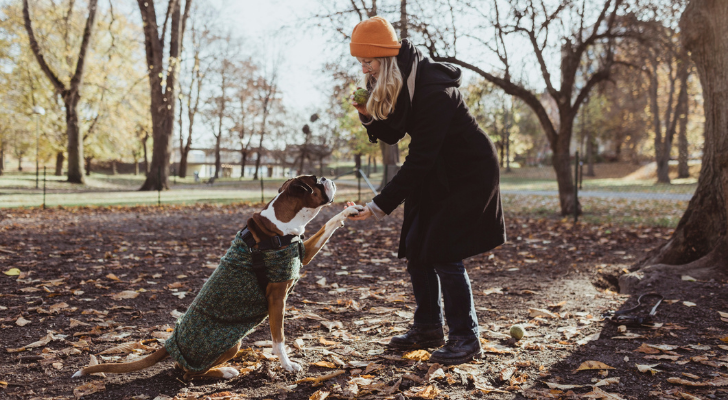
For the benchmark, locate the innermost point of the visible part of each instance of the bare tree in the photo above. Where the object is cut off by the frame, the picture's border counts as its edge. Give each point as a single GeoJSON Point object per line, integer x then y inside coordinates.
{"type": "Point", "coordinates": [266, 87]}
{"type": "Point", "coordinates": [700, 241]}
{"type": "Point", "coordinates": [201, 39]}
{"type": "Point", "coordinates": [537, 22]}
{"type": "Point", "coordinates": [163, 91]}
{"type": "Point", "coordinates": [71, 92]}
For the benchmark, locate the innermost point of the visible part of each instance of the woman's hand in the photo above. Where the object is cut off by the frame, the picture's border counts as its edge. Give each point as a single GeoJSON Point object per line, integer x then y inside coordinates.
{"type": "Point", "coordinates": [362, 108]}
{"type": "Point", "coordinates": [363, 214]}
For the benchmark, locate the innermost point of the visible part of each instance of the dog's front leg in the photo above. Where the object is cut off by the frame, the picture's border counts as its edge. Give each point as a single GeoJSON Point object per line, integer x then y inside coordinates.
{"type": "Point", "coordinates": [276, 294]}
{"type": "Point", "coordinates": [319, 239]}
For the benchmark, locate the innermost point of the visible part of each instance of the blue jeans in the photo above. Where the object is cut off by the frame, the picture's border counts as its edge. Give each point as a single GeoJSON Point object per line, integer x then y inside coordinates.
{"type": "Point", "coordinates": [428, 280]}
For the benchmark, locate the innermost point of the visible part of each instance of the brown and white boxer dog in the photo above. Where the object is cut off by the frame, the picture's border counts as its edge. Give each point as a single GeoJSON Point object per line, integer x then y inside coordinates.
{"type": "Point", "coordinates": [298, 201]}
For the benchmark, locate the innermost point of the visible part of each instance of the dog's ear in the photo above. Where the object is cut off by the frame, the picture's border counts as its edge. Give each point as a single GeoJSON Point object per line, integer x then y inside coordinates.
{"type": "Point", "coordinates": [280, 189]}
{"type": "Point", "coordinates": [297, 185]}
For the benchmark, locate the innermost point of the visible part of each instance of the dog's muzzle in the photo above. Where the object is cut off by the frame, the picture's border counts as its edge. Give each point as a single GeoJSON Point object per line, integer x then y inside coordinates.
{"type": "Point", "coordinates": [329, 189]}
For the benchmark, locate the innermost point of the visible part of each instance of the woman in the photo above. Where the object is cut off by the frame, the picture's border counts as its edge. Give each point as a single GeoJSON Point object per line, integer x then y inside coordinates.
{"type": "Point", "coordinates": [448, 182]}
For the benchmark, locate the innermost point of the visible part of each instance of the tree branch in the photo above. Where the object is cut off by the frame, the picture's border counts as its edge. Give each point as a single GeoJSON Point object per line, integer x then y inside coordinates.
{"type": "Point", "coordinates": [78, 75]}
{"type": "Point", "coordinates": [512, 89]}
{"type": "Point", "coordinates": [57, 84]}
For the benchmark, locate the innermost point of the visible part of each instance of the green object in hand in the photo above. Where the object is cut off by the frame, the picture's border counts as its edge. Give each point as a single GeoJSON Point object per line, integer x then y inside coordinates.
{"type": "Point", "coordinates": [517, 332]}
{"type": "Point", "coordinates": [361, 96]}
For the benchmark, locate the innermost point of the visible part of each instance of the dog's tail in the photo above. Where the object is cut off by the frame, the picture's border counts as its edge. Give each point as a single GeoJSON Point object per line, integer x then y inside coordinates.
{"type": "Point", "coordinates": [145, 362]}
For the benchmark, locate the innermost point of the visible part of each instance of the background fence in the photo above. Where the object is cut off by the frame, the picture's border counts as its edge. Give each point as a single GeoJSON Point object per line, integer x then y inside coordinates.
{"type": "Point", "coordinates": [607, 192]}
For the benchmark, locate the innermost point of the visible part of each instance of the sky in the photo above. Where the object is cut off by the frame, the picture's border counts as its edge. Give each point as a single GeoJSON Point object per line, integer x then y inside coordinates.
{"type": "Point", "coordinates": [303, 83]}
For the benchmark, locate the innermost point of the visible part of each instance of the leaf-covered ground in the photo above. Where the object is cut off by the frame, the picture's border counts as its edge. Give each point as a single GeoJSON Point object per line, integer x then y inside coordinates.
{"type": "Point", "coordinates": [110, 282]}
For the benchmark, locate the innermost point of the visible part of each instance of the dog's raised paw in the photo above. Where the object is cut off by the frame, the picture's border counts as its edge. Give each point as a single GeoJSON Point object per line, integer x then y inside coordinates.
{"type": "Point", "coordinates": [228, 372]}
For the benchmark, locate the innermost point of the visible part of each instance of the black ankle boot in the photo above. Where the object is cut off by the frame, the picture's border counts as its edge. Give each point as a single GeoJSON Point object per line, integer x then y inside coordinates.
{"type": "Point", "coordinates": [457, 351]}
{"type": "Point", "coordinates": [418, 338]}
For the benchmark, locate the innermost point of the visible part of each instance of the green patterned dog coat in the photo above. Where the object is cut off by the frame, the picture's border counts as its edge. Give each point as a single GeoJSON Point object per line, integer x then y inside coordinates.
{"type": "Point", "coordinates": [229, 306]}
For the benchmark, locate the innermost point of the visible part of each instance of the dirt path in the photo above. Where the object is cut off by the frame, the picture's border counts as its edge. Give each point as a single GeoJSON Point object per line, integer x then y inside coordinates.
{"type": "Point", "coordinates": [93, 279]}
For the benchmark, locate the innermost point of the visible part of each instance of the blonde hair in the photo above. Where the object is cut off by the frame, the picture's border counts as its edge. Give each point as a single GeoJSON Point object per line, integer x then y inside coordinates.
{"type": "Point", "coordinates": [383, 91]}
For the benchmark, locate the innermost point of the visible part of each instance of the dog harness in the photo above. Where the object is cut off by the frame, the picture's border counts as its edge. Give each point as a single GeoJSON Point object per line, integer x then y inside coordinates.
{"type": "Point", "coordinates": [273, 243]}
{"type": "Point", "coordinates": [231, 303]}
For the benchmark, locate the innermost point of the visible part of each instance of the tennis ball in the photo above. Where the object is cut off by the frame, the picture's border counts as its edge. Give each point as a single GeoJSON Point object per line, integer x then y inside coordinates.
{"type": "Point", "coordinates": [361, 96]}
{"type": "Point", "coordinates": [517, 331]}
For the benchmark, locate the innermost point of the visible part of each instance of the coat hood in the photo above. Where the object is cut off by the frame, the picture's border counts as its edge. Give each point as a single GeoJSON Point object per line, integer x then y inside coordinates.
{"type": "Point", "coordinates": [429, 73]}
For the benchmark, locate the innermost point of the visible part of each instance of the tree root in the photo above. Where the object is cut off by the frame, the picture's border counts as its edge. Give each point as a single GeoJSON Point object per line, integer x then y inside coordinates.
{"type": "Point", "coordinates": [702, 268]}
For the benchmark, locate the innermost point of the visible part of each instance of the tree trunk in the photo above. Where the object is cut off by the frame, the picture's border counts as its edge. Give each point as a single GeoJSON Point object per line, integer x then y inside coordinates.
{"type": "Point", "coordinates": [243, 159]}
{"type": "Point", "coordinates": [218, 161]}
{"type": "Point", "coordinates": [75, 142]}
{"type": "Point", "coordinates": [71, 93]}
{"type": "Point", "coordinates": [590, 153]}
{"type": "Point", "coordinates": [163, 92]}
{"type": "Point", "coordinates": [59, 163]}
{"type": "Point", "coordinates": [682, 139]}
{"type": "Point", "coordinates": [183, 161]}
{"type": "Point", "coordinates": [562, 165]}
{"type": "Point", "coordinates": [88, 165]}
{"type": "Point", "coordinates": [20, 163]}
{"type": "Point", "coordinates": [2, 156]}
{"type": "Point", "coordinates": [390, 159]}
{"type": "Point", "coordinates": [136, 167]}
{"type": "Point", "coordinates": [701, 232]}
{"type": "Point", "coordinates": [113, 167]}
{"type": "Point", "coordinates": [146, 155]}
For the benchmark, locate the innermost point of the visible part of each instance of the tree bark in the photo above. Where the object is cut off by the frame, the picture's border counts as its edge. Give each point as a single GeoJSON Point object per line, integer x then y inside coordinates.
{"type": "Point", "coordinates": [2, 156]}
{"type": "Point", "coordinates": [146, 155]}
{"type": "Point", "coordinates": [71, 93]}
{"type": "Point", "coordinates": [59, 163]}
{"type": "Point", "coordinates": [88, 165]}
{"type": "Point", "coordinates": [163, 92]}
{"type": "Point", "coordinates": [683, 170]}
{"type": "Point", "coordinates": [701, 232]}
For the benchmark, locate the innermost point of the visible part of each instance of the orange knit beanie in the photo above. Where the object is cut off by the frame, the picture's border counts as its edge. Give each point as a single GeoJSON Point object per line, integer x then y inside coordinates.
{"type": "Point", "coordinates": [374, 37]}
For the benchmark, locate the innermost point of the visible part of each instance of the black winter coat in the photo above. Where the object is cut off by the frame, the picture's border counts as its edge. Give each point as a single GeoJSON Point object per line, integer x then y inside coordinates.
{"type": "Point", "coordinates": [450, 178]}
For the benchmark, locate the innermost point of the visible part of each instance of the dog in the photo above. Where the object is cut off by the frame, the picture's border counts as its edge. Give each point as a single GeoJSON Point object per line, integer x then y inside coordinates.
{"type": "Point", "coordinates": [220, 315]}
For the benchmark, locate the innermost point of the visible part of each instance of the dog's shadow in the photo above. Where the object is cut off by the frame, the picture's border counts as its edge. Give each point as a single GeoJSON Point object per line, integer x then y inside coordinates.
{"type": "Point", "coordinates": [165, 379]}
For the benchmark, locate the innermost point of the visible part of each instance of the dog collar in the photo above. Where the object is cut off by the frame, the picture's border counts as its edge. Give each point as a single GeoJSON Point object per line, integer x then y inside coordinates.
{"type": "Point", "coordinates": [273, 243]}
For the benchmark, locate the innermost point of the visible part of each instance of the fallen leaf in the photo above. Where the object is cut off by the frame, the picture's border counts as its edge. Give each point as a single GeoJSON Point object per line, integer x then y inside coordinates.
{"type": "Point", "coordinates": [417, 355]}
{"type": "Point", "coordinates": [12, 272]}
{"type": "Point", "coordinates": [89, 388]}
{"type": "Point", "coordinates": [689, 304]}
{"type": "Point", "coordinates": [647, 368]}
{"type": "Point", "coordinates": [324, 364]}
{"type": "Point", "coordinates": [688, 278]}
{"type": "Point", "coordinates": [21, 321]}
{"type": "Point", "coordinates": [320, 394]}
{"type": "Point", "coordinates": [539, 312]}
{"type": "Point", "coordinates": [559, 386]}
{"type": "Point", "coordinates": [126, 294]}
{"type": "Point", "coordinates": [428, 392]}
{"type": "Point", "coordinates": [608, 381]}
{"type": "Point", "coordinates": [647, 349]}
{"type": "Point", "coordinates": [587, 365]}
{"type": "Point", "coordinates": [597, 393]}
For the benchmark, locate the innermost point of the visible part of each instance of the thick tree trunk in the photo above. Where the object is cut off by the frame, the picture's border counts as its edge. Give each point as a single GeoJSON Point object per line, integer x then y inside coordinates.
{"type": "Point", "coordinates": [59, 163]}
{"type": "Point", "coordinates": [163, 92]}
{"type": "Point", "coordinates": [75, 144]}
{"type": "Point", "coordinates": [702, 229]}
{"type": "Point", "coordinates": [562, 164]}
{"type": "Point", "coordinates": [2, 157]}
